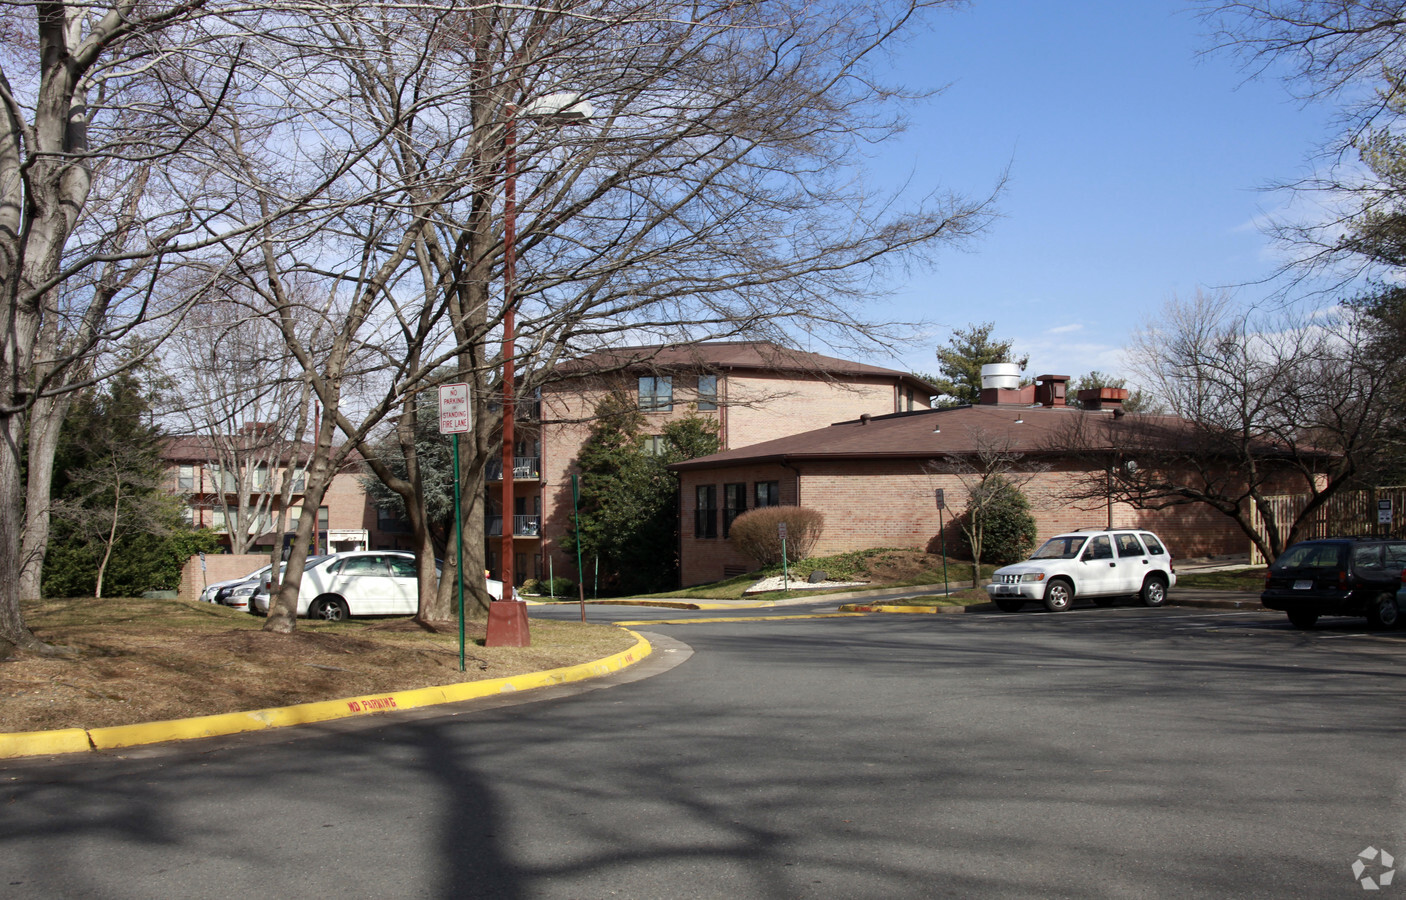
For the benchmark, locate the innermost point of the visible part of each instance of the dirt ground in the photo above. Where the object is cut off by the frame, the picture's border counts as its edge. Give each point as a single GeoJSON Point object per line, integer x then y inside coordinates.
{"type": "Point", "coordinates": [149, 660]}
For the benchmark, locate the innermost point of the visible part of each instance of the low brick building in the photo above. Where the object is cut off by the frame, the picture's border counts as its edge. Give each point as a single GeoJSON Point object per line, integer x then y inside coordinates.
{"type": "Point", "coordinates": [875, 479]}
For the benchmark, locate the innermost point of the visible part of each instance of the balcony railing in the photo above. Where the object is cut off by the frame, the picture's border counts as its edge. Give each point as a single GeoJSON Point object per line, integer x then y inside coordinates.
{"type": "Point", "coordinates": [523, 526]}
{"type": "Point", "coordinates": [525, 468]}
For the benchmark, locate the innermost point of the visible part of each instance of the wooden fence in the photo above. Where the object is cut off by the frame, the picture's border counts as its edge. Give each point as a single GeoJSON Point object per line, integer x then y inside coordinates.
{"type": "Point", "coordinates": [1349, 513]}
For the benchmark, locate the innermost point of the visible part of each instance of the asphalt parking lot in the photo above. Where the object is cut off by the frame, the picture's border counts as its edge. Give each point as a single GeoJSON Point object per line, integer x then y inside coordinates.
{"type": "Point", "coordinates": [1125, 752]}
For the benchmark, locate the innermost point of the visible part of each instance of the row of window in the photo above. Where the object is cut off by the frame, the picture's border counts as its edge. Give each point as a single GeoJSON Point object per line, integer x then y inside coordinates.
{"type": "Point", "coordinates": [256, 521]}
{"type": "Point", "coordinates": [656, 392]}
{"type": "Point", "coordinates": [705, 513]}
{"type": "Point", "coordinates": [227, 480]}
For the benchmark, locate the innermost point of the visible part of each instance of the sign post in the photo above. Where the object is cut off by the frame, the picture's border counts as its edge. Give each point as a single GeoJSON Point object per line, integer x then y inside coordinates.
{"type": "Point", "coordinates": [455, 419]}
{"type": "Point", "coordinates": [580, 569]}
{"type": "Point", "coordinates": [785, 569]}
{"type": "Point", "coordinates": [942, 539]}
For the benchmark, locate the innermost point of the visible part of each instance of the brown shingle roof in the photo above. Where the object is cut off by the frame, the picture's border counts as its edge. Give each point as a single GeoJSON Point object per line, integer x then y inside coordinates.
{"type": "Point", "coordinates": [722, 356]}
{"type": "Point", "coordinates": [927, 433]}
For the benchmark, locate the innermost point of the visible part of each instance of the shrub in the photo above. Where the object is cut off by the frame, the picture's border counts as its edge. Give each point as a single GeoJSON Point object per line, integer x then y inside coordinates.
{"type": "Point", "coordinates": [755, 534]}
{"type": "Point", "coordinates": [561, 587]}
{"type": "Point", "coordinates": [998, 516]}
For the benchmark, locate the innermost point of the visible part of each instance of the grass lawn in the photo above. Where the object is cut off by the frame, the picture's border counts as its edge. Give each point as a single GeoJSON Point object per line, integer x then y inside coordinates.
{"type": "Point", "coordinates": [149, 660]}
{"type": "Point", "coordinates": [1248, 579]}
{"type": "Point", "coordinates": [879, 569]}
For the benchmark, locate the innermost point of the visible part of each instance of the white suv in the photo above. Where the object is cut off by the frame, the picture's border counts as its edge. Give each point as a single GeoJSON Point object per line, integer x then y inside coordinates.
{"type": "Point", "coordinates": [1101, 565]}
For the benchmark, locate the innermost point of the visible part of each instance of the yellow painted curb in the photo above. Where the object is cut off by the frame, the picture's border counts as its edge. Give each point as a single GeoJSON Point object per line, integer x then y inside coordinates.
{"type": "Point", "coordinates": [861, 607]}
{"type": "Point", "coordinates": [72, 740]}
{"type": "Point", "coordinates": [43, 743]}
{"type": "Point", "coordinates": [833, 615]}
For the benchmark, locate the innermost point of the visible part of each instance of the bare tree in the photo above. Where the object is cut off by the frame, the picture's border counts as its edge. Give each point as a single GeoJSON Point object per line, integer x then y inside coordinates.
{"type": "Point", "coordinates": [713, 194]}
{"type": "Point", "coordinates": [1259, 407]}
{"type": "Point", "coordinates": [1351, 52]}
{"type": "Point", "coordinates": [247, 404]}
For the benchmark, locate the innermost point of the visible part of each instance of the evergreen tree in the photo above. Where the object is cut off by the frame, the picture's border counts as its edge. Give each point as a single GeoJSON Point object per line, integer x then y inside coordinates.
{"type": "Point", "coordinates": [960, 362]}
{"type": "Point", "coordinates": [116, 530]}
{"type": "Point", "coordinates": [629, 499]}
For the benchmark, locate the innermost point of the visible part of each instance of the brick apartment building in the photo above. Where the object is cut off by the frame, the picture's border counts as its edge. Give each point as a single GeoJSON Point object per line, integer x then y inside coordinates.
{"type": "Point", "coordinates": [874, 478]}
{"type": "Point", "coordinates": [346, 520]}
{"type": "Point", "coordinates": [757, 391]}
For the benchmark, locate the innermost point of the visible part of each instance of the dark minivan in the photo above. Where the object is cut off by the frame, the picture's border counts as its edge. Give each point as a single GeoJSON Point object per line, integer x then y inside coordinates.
{"type": "Point", "coordinates": [1337, 577]}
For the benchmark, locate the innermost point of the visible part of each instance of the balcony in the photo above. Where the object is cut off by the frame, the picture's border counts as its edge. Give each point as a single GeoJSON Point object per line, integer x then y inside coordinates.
{"type": "Point", "coordinates": [523, 526]}
{"type": "Point", "coordinates": [525, 468]}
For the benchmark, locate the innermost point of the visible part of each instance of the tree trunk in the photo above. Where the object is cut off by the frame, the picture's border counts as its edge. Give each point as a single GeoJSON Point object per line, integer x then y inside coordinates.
{"type": "Point", "coordinates": [13, 631]}
{"type": "Point", "coordinates": [45, 423]}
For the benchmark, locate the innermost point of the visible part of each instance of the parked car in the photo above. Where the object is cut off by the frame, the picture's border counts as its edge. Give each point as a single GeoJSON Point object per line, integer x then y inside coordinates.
{"type": "Point", "coordinates": [359, 583]}
{"type": "Point", "coordinates": [240, 595]}
{"type": "Point", "coordinates": [217, 592]}
{"type": "Point", "coordinates": [1344, 576]}
{"type": "Point", "coordinates": [1101, 565]}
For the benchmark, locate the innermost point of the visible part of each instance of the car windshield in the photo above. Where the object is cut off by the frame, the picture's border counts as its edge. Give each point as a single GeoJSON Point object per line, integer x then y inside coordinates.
{"type": "Point", "coordinates": [314, 560]}
{"type": "Point", "coordinates": [1063, 547]}
{"type": "Point", "coordinates": [1316, 556]}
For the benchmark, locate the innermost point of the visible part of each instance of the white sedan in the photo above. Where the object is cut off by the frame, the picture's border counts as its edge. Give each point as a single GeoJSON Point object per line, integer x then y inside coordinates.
{"type": "Point", "coordinates": [360, 583]}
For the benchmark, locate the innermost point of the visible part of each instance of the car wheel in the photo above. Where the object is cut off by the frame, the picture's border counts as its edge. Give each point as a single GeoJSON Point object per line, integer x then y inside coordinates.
{"type": "Point", "coordinates": [1059, 595]}
{"type": "Point", "coordinates": [1382, 612]}
{"type": "Point", "coordinates": [1154, 591]}
{"type": "Point", "coordinates": [332, 609]}
{"type": "Point", "coordinates": [1302, 619]}
{"type": "Point", "coordinates": [1007, 604]}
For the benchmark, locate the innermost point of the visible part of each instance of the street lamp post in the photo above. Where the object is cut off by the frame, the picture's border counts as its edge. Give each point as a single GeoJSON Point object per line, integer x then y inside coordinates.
{"type": "Point", "coordinates": [562, 108]}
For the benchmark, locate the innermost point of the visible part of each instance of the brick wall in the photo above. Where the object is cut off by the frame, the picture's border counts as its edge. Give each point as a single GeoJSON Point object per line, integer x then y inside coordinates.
{"type": "Point", "coordinates": [755, 407]}
{"type": "Point", "coordinates": [764, 407]}
{"type": "Point", "coordinates": [218, 567]}
{"type": "Point", "coordinates": [870, 504]}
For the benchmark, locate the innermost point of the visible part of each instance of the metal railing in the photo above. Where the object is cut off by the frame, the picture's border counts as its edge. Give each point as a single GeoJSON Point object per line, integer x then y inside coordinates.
{"type": "Point", "coordinates": [525, 468]}
{"type": "Point", "coordinates": [523, 526]}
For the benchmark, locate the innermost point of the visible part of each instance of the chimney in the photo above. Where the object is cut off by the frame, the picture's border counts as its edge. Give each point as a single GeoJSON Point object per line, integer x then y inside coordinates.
{"type": "Point", "coordinates": [1000, 386]}
{"type": "Point", "coordinates": [1050, 390]}
{"type": "Point", "coordinates": [1103, 399]}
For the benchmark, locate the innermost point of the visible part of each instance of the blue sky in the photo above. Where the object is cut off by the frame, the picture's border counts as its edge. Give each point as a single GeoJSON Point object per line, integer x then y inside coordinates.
{"type": "Point", "coordinates": [1138, 168]}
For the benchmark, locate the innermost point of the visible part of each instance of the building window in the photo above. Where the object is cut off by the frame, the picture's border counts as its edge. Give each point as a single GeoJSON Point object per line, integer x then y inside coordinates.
{"type": "Point", "coordinates": [705, 516]}
{"type": "Point", "coordinates": [300, 480]}
{"type": "Point", "coordinates": [261, 476]}
{"type": "Point", "coordinates": [707, 392]}
{"type": "Point", "coordinates": [654, 445]}
{"type": "Point", "coordinates": [767, 493]}
{"type": "Point", "coordinates": [185, 479]}
{"type": "Point", "coordinates": [734, 504]}
{"type": "Point", "coordinates": [221, 479]}
{"type": "Point", "coordinates": [656, 393]}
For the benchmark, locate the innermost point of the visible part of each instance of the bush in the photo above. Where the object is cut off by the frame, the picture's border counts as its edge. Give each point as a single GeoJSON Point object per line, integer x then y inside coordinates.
{"type": "Point", "coordinates": [755, 534]}
{"type": "Point", "coordinates": [555, 587]}
{"type": "Point", "coordinates": [559, 587]}
{"type": "Point", "coordinates": [1000, 513]}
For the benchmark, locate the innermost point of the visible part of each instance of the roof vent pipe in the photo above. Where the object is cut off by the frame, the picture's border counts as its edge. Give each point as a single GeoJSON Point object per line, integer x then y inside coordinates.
{"type": "Point", "coordinates": [863, 418]}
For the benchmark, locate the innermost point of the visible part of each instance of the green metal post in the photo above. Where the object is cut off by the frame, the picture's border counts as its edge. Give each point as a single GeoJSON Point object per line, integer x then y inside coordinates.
{"type": "Point", "coordinates": [459, 546]}
{"type": "Point", "coordinates": [580, 567]}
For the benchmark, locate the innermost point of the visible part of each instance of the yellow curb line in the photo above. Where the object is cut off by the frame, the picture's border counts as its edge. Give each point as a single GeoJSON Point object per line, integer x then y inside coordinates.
{"type": "Point", "coordinates": [861, 607]}
{"type": "Point", "coordinates": [834, 615]}
{"type": "Point", "coordinates": [73, 740]}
